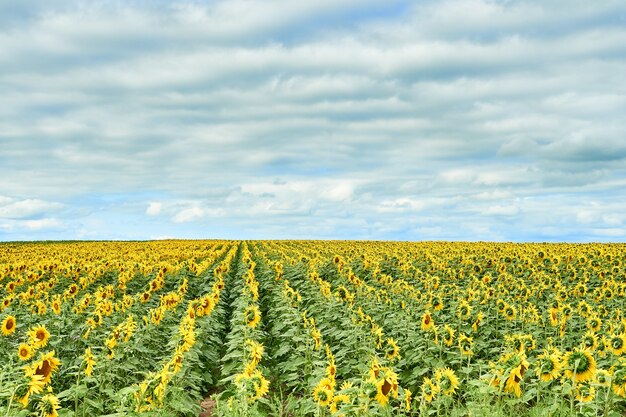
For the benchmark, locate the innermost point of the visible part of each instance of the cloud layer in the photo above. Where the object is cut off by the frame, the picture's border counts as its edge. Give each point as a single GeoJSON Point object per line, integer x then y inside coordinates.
{"type": "Point", "coordinates": [461, 119]}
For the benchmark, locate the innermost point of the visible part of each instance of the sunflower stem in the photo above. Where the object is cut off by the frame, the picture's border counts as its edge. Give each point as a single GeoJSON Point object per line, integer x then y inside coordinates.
{"type": "Point", "coordinates": [11, 402]}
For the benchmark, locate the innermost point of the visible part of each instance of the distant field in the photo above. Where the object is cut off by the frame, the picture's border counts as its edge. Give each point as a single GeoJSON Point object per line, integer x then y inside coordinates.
{"type": "Point", "coordinates": [312, 328]}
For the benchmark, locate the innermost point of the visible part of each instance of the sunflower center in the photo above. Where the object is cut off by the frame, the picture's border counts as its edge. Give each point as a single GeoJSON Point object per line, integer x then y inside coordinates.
{"type": "Point", "coordinates": [386, 387]}
{"type": "Point", "coordinates": [44, 370]}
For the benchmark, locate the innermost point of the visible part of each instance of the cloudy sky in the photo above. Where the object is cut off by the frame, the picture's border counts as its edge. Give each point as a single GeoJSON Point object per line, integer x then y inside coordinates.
{"type": "Point", "coordinates": [354, 119]}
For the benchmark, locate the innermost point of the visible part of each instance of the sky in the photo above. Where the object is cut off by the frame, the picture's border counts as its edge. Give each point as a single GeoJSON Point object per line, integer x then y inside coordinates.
{"type": "Point", "coordinates": [279, 119]}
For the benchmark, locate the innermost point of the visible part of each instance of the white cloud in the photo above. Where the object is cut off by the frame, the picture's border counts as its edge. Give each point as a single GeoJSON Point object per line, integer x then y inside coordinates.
{"type": "Point", "coordinates": [154, 209]}
{"type": "Point", "coordinates": [314, 118]}
{"type": "Point", "coordinates": [11, 208]}
{"type": "Point", "coordinates": [501, 210]}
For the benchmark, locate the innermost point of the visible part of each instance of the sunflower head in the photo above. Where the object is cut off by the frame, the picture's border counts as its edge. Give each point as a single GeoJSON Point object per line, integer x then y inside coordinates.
{"type": "Point", "coordinates": [252, 315]}
{"type": "Point", "coordinates": [448, 338]}
{"type": "Point", "coordinates": [548, 366]}
{"type": "Point", "coordinates": [8, 326]}
{"type": "Point", "coordinates": [429, 390]}
{"type": "Point", "coordinates": [465, 345]}
{"type": "Point", "coordinates": [427, 321]}
{"type": "Point", "coordinates": [585, 392]}
{"type": "Point", "coordinates": [447, 381]}
{"type": "Point", "coordinates": [48, 405]}
{"type": "Point", "coordinates": [579, 365]}
{"type": "Point", "coordinates": [392, 351]}
{"type": "Point", "coordinates": [25, 352]}
{"type": "Point", "coordinates": [322, 395]}
{"type": "Point", "coordinates": [618, 344]}
{"type": "Point", "coordinates": [39, 336]}
{"type": "Point", "coordinates": [46, 366]}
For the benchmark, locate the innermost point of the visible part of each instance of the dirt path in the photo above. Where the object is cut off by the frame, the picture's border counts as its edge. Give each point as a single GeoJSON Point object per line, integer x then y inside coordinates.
{"type": "Point", "coordinates": [207, 407]}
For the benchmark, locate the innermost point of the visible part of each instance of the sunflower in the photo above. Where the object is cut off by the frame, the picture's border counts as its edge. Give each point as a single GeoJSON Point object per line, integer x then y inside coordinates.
{"type": "Point", "coordinates": [255, 351]}
{"type": "Point", "coordinates": [252, 315]}
{"type": "Point", "coordinates": [478, 321]}
{"type": "Point", "coordinates": [261, 385]}
{"type": "Point", "coordinates": [579, 365]}
{"type": "Point", "coordinates": [337, 400]}
{"type": "Point", "coordinates": [448, 339]}
{"type": "Point", "coordinates": [429, 390]}
{"type": "Point", "coordinates": [603, 377]}
{"type": "Point", "coordinates": [554, 316]}
{"type": "Point", "coordinates": [316, 335]}
{"type": "Point", "coordinates": [322, 394]}
{"type": "Point", "coordinates": [46, 366]}
{"type": "Point", "coordinates": [36, 384]}
{"type": "Point", "coordinates": [594, 323]}
{"type": "Point", "coordinates": [89, 361]}
{"type": "Point", "coordinates": [463, 310]}
{"type": "Point", "coordinates": [515, 365]}
{"type": "Point", "coordinates": [437, 303]}
{"type": "Point", "coordinates": [510, 312]}
{"type": "Point", "coordinates": [48, 405]}
{"type": "Point", "coordinates": [8, 326]}
{"type": "Point", "coordinates": [465, 345]}
{"type": "Point", "coordinates": [383, 387]}
{"type": "Point", "coordinates": [618, 344]}
{"type": "Point", "coordinates": [619, 378]}
{"type": "Point", "coordinates": [25, 352]}
{"type": "Point", "coordinates": [585, 392]}
{"type": "Point", "coordinates": [386, 386]}
{"type": "Point", "coordinates": [374, 371]}
{"type": "Point", "coordinates": [393, 351]}
{"type": "Point", "coordinates": [447, 381]}
{"type": "Point", "coordinates": [548, 366]}
{"type": "Point", "coordinates": [589, 341]}
{"type": "Point", "coordinates": [407, 399]}
{"type": "Point", "coordinates": [427, 321]}
{"type": "Point", "coordinates": [38, 336]}
{"type": "Point", "coordinates": [56, 307]}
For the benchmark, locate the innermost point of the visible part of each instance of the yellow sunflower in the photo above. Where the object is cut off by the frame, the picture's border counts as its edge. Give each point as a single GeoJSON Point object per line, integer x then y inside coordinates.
{"type": "Point", "coordinates": [48, 405]}
{"type": "Point", "coordinates": [589, 340]}
{"type": "Point", "coordinates": [8, 326]}
{"type": "Point", "coordinates": [260, 384]}
{"type": "Point", "coordinates": [255, 351]}
{"type": "Point", "coordinates": [548, 366]}
{"type": "Point", "coordinates": [252, 315]}
{"type": "Point", "coordinates": [38, 336]}
{"type": "Point", "coordinates": [407, 399]}
{"type": "Point", "coordinates": [515, 365]}
{"type": "Point", "coordinates": [429, 390]}
{"type": "Point", "coordinates": [393, 351]}
{"type": "Point", "coordinates": [323, 394]}
{"type": "Point", "coordinates": [25, 352]}
{"type": "Point", "coordinates": [465, 345]}
{"type": "Point", "coordinates": [579, 365]}
{"type": "Point", "coordinates": [89, 361]}
{"type": "Point", "coordinates": [619, 378]}
{"type": "Point", "coordinates": [463, 310]}
{"type": "Point", "coordinates": [46, 366]}
{"type": "Point", "coordinates": [585, 392]}
{"type": "Point", "coordinates": [618, 344]}
{"type": "Point", "coordinates": [448, 339]}
{"type": "Point", "coordinates": [447, 381]}
{"type": "Point", "coordinates": [427, 321]}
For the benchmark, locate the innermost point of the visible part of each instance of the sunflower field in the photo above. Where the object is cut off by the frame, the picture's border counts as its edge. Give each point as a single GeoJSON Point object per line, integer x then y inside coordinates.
{"type": "Point", "coordinates": [312, 328]}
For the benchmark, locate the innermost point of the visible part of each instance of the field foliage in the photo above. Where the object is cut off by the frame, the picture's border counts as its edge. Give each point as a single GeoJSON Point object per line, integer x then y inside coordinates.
{"type": "Point", "coordinates": [312, 328]}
